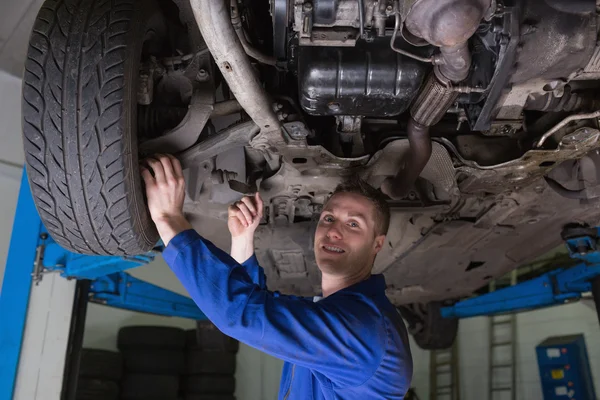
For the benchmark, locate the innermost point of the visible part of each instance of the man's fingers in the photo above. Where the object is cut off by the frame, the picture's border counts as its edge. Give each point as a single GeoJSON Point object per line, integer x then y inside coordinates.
{"type": "Point", "coordinates": [240, 216]}
{"type": "Point", "coordinates": [147, 176]}
{"type": "Point", "coordinates": [259, 204]}
{"type": "Point", "coordinates": [157, 168]}
{"type": "Point", "coordinates": [177, 170]}
{"type": "Point", "coordinates": [167, 166]}
{"type": "Point", "coordinates": [248, 202]}
{"type": "Point", "coordinates": [245, 212]}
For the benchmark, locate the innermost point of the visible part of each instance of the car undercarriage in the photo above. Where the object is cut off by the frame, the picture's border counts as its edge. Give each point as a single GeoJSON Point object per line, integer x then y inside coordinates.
{"type": "Point", "coordinates": [477, 118]}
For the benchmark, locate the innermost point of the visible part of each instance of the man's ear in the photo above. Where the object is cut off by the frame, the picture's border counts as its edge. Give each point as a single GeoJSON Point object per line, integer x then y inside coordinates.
{"type": "Point", "coordinates": [379, 241]}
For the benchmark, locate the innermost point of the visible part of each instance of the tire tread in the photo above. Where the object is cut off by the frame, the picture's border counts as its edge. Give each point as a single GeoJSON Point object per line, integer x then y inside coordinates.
{"type": "Point", "coordinates": [75, 127]}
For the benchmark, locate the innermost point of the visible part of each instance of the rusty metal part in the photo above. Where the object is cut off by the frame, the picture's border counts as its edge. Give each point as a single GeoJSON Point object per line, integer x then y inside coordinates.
{"type": "Point", "coordinates": [565, 100]}
{"type": "Point", "coordinates": [235, 136]}
{"type": "Point", "coordinates": [468, 89]}
{"type": "Point", "coordinates": [579, 194]}
{"type": "Point", "coordinates": [439, 170]}
{"type": "Point", "coordinates": [448, 24]}
{"type": "Point", "coordinates": [433, 101]}
{"type": "Point", "coordinates": [239, 29]}
{"type": "Point", "coordinates": [361, 17]}
{"type": "Point", "coordinates": [564, 122]}
{"type": "Point", "coordinates": [187, 132]}
{"type": "Point", "coordinates": [531, 166]}
{"type": "Point", "coordinates": [145, 88]}
{"type": "Point", "coordinates": [420, 151]}
{"type": "Point", "coordinates": [213, 20]}
{"type": "Point", "coordinates": [226, 107]}
{"type": "Point", "coordinates": [398, 28]}
{"type": "Point", "coordinates": [455, 62]}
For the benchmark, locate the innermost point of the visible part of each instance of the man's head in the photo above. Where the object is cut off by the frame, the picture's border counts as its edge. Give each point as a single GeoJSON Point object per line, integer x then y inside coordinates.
{"type": "Point", "coordinates": [351, 229]}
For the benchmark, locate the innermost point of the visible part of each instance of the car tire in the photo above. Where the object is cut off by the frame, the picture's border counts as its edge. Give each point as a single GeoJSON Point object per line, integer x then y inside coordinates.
{"type": "Point", "coordinates": [208, 397]}
{"type": "Point", "coordinates": [157, 337]}
{"type": "Point", "coordinates": [149, 387]}
{"type": "Point", "coordinates": [209, 362]}
{"type": "Point", "coordinates": [79, 117]}
{"type": "Point", "coordinates": [154, 361]}
{"type": "Point", "coordinates": [429, 329]}
{"type": "Point", "coordinates": [208, 338]}
{"type": "Point", "coordinates": [208, 384]}
{"type": "Point", "coordinates": [101, 364]}
{"type": "Point", "coordinates": [96, 389]}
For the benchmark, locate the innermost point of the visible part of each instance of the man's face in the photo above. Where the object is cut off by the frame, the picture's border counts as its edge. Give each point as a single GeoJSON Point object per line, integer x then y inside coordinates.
{"type": "Point", "coordinates": [345, 240]}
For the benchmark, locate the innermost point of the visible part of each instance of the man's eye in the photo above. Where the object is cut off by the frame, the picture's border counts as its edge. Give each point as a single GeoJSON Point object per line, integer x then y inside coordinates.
{"type": "Point", "coordinates": [328, 218]}
{"type": "Point", "coordinates": [354, 224]}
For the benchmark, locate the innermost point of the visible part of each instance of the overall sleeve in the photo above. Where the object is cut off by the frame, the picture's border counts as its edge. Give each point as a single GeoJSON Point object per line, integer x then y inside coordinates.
{"type": "Point", "coordinates": [346, 346]}
{"type": "Point", "coordinates": [255, 271]}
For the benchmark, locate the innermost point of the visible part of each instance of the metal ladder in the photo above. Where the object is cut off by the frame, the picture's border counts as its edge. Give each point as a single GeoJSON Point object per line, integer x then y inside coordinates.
{"type": "Point", "coordinates": [444, 381]}
{"type": "Point", "coordinates": [500, 389]}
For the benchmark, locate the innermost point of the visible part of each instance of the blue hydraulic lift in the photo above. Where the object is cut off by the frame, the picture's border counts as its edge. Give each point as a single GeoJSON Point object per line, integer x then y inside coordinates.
{"type": "Point", "coordinates": [556, 287]}
{"type": "Point", "coordinates": [33, 254]}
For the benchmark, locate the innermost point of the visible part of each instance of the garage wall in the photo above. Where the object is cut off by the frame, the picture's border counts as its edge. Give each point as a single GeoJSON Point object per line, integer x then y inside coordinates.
{"type": "Point", "coordinates": [11, 159]}
{"type": "Point", "coordinates": [102, 322]}
{"type": "Point", "coordinates": [532, 328]}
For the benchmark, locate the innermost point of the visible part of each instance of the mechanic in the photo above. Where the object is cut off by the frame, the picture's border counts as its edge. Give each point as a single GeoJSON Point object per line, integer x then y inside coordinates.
{"type": "Point", "coordinates": [350, 343]}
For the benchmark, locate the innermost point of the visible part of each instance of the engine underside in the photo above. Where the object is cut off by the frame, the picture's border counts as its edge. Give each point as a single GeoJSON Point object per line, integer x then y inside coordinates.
{"type": "Point", "coordinates": [478, 118]}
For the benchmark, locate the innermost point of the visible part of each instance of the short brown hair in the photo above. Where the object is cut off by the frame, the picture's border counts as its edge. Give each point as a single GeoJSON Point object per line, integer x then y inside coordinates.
{"type": "Point", "coordinates": [382, 209]}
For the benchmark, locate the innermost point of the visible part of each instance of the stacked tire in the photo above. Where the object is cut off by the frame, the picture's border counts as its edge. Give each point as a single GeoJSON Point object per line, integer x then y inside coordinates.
{"type": "Point", "coordinates": [154, 360]}
{"type": "Point", "coordinates": [210, 364]}
{"type": "Point", "coordinates": [99, 374]}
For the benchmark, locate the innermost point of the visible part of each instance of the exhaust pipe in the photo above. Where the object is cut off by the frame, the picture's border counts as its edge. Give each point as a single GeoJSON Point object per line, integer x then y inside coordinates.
{"type": "Point", "coordinates": [447, 24]}
{"type": "Point", "coordinates": [213, 19]}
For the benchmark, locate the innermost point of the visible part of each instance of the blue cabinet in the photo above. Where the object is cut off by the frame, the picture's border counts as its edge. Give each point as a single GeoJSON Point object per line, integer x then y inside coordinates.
{"type": "Point", "coordinates": [565, 368]}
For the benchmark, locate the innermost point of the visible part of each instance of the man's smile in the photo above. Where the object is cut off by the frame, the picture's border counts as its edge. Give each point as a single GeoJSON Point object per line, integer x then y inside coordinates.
{"type": "Point", "coordinates": [333, 249]}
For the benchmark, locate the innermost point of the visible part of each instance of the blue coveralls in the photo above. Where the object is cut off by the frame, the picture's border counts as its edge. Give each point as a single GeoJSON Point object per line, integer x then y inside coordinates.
{"type": "Point", "coordinates": [349, 345]}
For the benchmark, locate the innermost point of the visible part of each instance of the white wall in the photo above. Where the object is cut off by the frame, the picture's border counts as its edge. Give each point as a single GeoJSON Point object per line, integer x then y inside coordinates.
{"type": "Point", "coordinates": [102, 322]}
{"type": "Point", "coordinates": [11, 159]}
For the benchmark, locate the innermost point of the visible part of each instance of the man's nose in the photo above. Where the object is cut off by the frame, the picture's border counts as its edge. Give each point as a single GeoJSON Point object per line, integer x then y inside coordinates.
{"type": "Point", "coordinates": [333, 232]}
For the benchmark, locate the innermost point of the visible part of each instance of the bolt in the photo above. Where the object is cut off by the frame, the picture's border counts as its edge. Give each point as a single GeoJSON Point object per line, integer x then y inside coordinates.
{"type": "Point", "coordinates": [44, 236]}
{"type": "Point", "coordinates": [307, 7]}
{"type": "Point", "coordinates": [202, 75]}
{"type": "Point", "coordinates": [333, 106]}
{"type": "Point", "coordinates": [389, 9]}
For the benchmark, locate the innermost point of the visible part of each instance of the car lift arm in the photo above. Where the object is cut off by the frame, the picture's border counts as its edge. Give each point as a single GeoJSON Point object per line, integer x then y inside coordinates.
{"type": "Point", "coordinates": [122, 290]}
{"type": "Point", "coordinates": [110, 285]}
{"type": "Point", "coordinates": [552, 288]}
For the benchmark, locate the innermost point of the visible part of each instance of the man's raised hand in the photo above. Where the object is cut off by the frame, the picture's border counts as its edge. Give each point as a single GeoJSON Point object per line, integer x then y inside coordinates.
{"type": "Point", "coordinates": [245, 215]}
